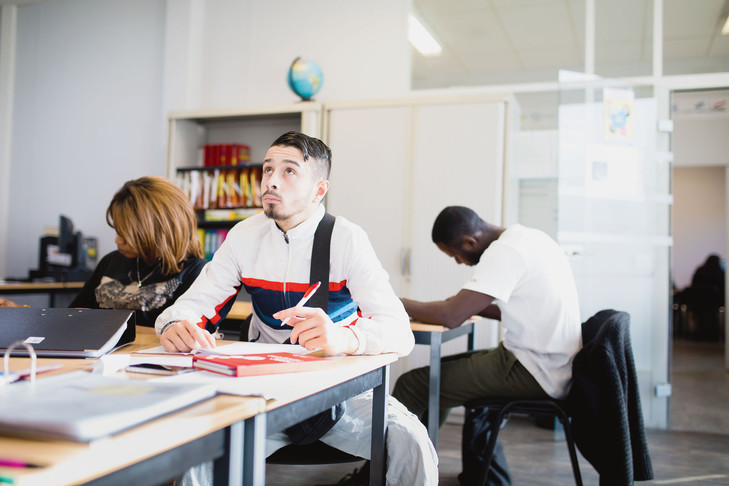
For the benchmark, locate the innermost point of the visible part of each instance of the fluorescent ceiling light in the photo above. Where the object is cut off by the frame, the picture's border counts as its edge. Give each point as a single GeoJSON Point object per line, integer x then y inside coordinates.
{"type": "Point", "coordinates": [421, 39]}
{"type": "Point", "coordinates": [725, 29]}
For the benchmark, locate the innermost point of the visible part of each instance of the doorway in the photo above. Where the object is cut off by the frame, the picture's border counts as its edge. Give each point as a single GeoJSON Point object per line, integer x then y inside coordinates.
{"type": "Point", "coordinates": [699, 226]}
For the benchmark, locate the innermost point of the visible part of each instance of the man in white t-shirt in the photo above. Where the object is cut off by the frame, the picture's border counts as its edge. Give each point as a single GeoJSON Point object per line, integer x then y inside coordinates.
{"type": "Point", "coordinates": [522, 277]}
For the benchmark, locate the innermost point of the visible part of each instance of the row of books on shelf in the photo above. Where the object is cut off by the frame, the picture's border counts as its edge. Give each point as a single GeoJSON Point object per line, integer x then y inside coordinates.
{"type": "Point", "coordinates": [227, 215]}
{"type": "Point", "coordinates": [211, 240]}
{"type": "Point", "coordinates": [222, 188]}
{"type": "Point", "coordinates": [214, 155]}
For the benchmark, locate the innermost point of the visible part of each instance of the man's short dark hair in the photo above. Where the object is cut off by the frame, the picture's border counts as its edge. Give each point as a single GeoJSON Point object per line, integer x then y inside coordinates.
{"type": "Point", "coordinates": [311, 148]}
{"type": "Point", "coordinates": [453, 223]}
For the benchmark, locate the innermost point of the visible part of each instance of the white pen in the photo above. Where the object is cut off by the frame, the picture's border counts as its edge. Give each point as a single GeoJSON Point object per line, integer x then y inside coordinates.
{"type": "Point", "coordinates": [304, 299]}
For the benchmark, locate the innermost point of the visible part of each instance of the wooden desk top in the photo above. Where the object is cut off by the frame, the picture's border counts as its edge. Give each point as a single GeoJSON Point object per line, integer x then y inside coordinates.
{"type": "Point", "coordinates": [39, 286]}
{"type": "Point", "coordinates": [65, 462]}
{"type": "Point", "coordinates": [421, 326]}
{"type": "Point", "coordinates": [241, 310]}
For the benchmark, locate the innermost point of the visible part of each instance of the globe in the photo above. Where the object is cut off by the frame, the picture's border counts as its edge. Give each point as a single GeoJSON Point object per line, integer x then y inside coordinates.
{"type": "Point", "coordinates": [305, 78]}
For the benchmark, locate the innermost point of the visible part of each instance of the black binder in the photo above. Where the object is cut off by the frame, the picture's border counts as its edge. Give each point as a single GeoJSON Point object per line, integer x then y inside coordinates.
{"type": "Point", "coordinates": [65, 333]}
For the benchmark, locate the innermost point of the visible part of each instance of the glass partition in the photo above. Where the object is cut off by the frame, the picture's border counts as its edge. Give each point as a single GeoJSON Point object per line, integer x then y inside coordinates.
{"type": "Point", "coordinates": [613, 215]}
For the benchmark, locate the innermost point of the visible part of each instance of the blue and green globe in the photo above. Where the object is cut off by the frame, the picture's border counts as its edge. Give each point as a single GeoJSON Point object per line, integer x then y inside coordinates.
{"type": "Point", "coordinates": [305, 78]}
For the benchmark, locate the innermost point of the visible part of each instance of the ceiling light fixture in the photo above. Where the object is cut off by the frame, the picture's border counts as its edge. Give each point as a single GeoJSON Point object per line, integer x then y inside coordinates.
{"type": "Point", "coordinates": [421, 39]}
{"type": "Point", "coordinates": [725, 29]}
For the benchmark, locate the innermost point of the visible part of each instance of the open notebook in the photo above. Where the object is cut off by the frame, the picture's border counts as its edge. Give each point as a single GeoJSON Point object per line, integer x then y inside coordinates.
{"type": "Point", "coordinates": [81, 406]}
{"type": "Point", "coordinates": [68, 333]}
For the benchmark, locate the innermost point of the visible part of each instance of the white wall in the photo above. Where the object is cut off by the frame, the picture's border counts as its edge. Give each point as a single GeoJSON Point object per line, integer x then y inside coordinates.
{"type": "Point", "coordinates": [8, 24]}
{"type": "Point", "coordinates": [698, 219]}
{"type": "Point", "coordinates": [86, 115]}
{"type": "Point", "coordinates": [94, 80]}
{"type": "Point", "coordinates": [361, 47]}
{"type": "Point", "coordinates": [701, 125]}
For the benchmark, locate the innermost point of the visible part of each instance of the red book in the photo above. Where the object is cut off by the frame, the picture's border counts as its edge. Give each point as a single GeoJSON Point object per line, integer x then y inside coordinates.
{"type": "Point", "coordinates": [259, 364]}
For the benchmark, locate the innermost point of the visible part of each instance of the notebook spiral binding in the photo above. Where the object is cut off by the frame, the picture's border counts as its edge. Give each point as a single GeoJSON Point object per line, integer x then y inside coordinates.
{"type": "Point", "coordinates": [6, 361]}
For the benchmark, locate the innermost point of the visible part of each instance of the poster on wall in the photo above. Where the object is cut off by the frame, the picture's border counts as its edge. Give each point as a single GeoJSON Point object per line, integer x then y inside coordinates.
{"type": "Point", "coordinates": [618, 105]}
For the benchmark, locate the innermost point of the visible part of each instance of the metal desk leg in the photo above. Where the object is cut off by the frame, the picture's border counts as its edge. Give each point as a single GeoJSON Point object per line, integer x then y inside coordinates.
{"type": "Point", "coordinates": [254, 451]}
{"type": "Point", "coordinates": [228, 470]}
{"type": "Point", "coordinates": [434, 389]}
{"type": "Point", "coordinates": [379, 424]}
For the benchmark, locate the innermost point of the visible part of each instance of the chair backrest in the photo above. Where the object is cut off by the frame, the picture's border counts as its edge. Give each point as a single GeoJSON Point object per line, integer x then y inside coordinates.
{"type": "Point", "coordinates": [605, 401]}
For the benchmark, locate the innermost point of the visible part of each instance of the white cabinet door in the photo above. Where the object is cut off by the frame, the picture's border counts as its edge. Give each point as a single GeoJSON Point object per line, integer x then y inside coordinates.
{"type": "Point", "coordinates": [370, 152]}
{"type": "Point", "coordinates": [458, 161]}
{"type": "Point", "coordinates": [396, 167]}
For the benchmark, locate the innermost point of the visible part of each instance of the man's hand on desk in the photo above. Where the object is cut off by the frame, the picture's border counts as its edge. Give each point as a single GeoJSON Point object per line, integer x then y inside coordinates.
{"type": "Point", "coordinates": [184, 336]}
{"type": "Point", "coordinates": [312, 329]}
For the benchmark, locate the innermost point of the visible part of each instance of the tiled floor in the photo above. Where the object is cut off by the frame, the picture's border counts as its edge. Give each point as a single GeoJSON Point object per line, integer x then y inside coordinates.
{"type": "Point", "coordinates": [695, 451]}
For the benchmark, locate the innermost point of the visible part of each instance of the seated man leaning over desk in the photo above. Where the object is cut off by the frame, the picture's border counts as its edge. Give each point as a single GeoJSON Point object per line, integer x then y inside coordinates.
{"type": "Point", "coordinates": [522, 277]}
{"type": "Point", "coordinates": [270, 255]}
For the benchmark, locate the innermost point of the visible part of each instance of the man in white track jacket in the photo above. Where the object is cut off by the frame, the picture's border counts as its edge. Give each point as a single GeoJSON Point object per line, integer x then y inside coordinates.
{"type": "Point", "coordinates": [270, 256]}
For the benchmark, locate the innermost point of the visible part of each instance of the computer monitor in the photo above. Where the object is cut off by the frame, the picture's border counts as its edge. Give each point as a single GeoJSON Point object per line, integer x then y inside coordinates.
{"type": "Point", "coordinates": [66, 238]}
{"type": "Point", "coordinates": [62, 257]}
{"type": "Point", "coordinates": [63, 251]}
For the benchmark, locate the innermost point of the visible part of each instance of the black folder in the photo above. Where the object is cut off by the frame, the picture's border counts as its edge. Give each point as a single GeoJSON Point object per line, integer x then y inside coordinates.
{"type": "Point", "coordinates": [65, 333]}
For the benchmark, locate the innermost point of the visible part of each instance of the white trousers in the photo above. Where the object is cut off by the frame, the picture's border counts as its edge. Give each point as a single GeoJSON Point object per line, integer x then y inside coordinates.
{"type": "Point", "coordinates": [411, 457]}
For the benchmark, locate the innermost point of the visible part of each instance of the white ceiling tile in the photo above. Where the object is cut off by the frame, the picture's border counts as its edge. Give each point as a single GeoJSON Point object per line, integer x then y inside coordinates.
{"type": "Point", "coordinates": [472, 32]}
{"type": "Point", "coordinates": [550, 58]}
{"type": "Point", "coordinates": [685, 48]}
{"type": "Point", "coordinates": [434, 65]}
{"type": "Point", "coordinates": [499, 39]}
{"type": "Point", "coordinates": [577, 12]}
{"type": "Point", "coordinates": [450, 5]}
{"type": "Point", "coordinates": [619, 52]}
{"type": "Point", "coordinates": [720, 47]}
{"type": "Point", "coordinates": [622, 20]}
{"type": "Point", "coordinates": [690, 18]}
{"type": "Point", "coordinates": [525, 3]}
{"type": "Point", "coordinates": [546, 25]}
{"type": "Point", "coordinates": [492, 63]}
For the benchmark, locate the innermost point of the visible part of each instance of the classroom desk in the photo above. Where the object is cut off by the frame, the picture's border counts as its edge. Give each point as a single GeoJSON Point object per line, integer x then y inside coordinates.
{"type": "Point", "coordinates": [240, 310]}
{"type": "Point", "coordinates": [280, 414]}
{"type": "Point", "coordinates": [50, 288]}
{"type": "Point", "coordinates": [434, 335]}
{"type": "Point", "coordinates": [230, 430]}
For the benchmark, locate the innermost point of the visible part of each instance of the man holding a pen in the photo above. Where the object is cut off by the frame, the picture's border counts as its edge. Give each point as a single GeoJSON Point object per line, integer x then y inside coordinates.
{"type": "Point", "coordinates": [270, 256]}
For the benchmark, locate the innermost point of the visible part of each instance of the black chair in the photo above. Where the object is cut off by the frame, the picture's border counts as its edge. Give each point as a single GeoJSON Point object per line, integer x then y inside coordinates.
{"type": "Point", "coordinates": [500, 409]}
{"type": "Point", "coordinates": [602, 414]}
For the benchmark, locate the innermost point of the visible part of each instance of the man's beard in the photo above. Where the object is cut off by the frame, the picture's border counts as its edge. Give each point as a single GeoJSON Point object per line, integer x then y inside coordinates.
{"type": "Point", "coordinates": [270, 209]}
{"type": "Point", "coordinates": [271, 212]}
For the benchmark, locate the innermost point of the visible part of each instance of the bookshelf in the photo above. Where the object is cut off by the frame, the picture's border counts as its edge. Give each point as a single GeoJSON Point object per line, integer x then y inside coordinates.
{"type": "Point", "coordinates": [225, 194]}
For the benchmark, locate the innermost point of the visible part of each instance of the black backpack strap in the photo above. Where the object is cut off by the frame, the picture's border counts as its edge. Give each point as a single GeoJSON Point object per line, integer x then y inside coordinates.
{"type": "Point", "coordinates": [313, 428]}
{"type": "Point", "coordinates": [320, 262]}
